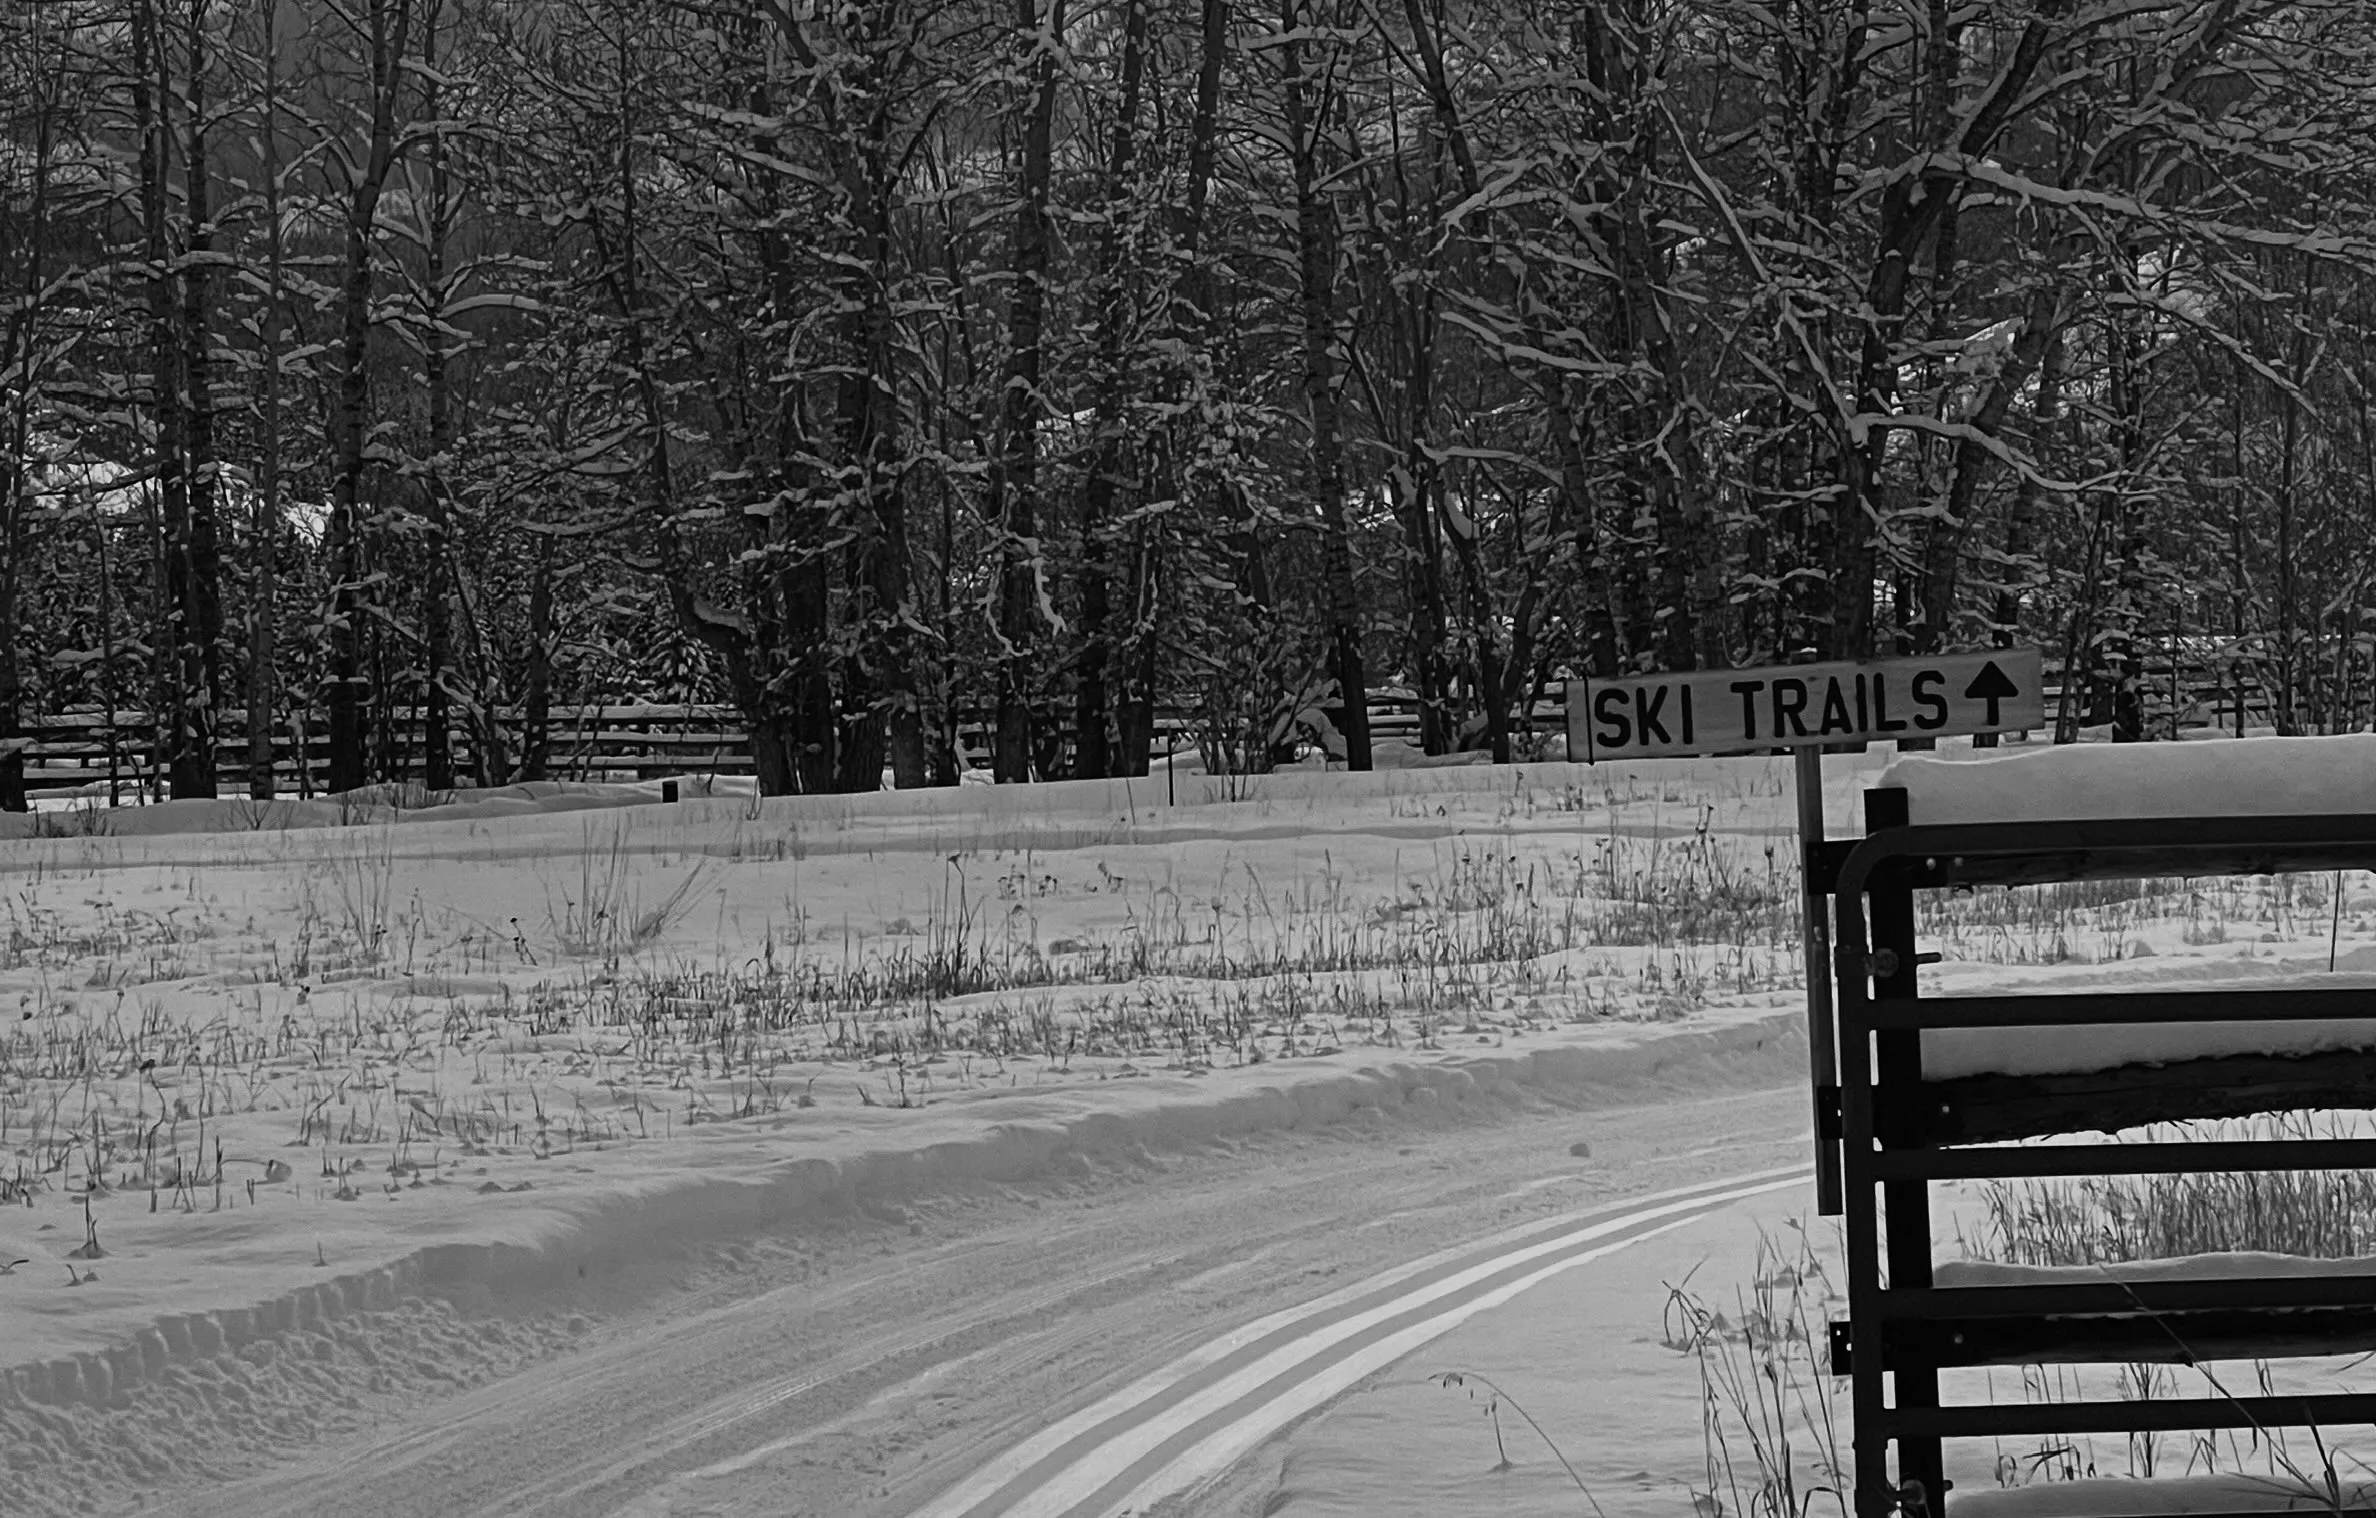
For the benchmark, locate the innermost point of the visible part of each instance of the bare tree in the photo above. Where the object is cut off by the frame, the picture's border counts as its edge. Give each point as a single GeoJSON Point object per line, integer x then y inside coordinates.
{"type": "Point", "coordinates": [263, 688]}
{"type": "Point", "coordinates": [360, 174]}
{"type": "Point", "coordinates": [1092, 750]}
{"type": "Point", "coordinates": [1307, 94]}
{"type": "Point", "coordinates": [1023, 579]}
{"type": "Point", "coordinates": [36, 77]}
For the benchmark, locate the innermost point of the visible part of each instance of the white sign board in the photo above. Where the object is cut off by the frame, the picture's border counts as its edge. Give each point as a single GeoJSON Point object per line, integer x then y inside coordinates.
{"type": "Point", "coordinates": [1730, 711]}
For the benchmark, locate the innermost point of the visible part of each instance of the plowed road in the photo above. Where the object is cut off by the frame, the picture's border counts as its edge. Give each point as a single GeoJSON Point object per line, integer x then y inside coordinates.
{"type": "Point", "coordinates": [1088, 1347]}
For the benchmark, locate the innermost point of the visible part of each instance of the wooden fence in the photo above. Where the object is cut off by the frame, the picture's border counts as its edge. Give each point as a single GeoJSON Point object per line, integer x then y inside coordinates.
{"type": "Point", "coordinates": [80, 749]}
{"type": "Point", "coordinates": [74, 750]}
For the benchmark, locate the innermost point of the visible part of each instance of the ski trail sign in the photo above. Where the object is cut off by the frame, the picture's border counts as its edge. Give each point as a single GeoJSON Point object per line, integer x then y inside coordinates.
{"type": "Point", "coordinates": [1736, 711]}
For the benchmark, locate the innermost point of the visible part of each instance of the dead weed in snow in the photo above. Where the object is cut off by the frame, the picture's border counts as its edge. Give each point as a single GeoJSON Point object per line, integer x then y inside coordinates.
{"type": "Point", "coordinates": [399, 1034]}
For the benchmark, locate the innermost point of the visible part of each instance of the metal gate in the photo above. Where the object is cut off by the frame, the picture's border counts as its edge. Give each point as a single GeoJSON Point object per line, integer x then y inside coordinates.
{"type": "Point", "coordinates": [1888, 1131]}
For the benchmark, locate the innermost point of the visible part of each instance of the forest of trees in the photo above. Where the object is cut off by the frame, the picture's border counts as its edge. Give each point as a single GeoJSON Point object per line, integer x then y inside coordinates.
{"type": "Point", "coordinates": [874, 364]}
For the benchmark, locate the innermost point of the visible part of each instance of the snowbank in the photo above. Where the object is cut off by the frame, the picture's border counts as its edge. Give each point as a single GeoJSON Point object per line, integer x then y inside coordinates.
{"type": "Point", "coordinates": [647, 1202]}
{"type": "Point", "coordinates": [2245, 777]}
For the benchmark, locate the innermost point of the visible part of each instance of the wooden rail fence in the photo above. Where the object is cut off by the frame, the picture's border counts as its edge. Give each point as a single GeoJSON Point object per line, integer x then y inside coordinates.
{"type": "Point", "coordinates": [78, 749]}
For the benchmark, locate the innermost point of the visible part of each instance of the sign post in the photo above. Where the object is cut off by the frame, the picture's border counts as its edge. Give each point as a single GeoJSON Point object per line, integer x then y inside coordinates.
{"type": "Point", "coordinates": [1823, 1055]}
{"type": "Point", "coordinates": [1803, 707]}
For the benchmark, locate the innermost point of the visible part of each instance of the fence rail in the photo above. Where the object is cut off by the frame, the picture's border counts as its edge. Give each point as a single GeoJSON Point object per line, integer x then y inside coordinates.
{"type": "Point", "coordinates": [78, 749]}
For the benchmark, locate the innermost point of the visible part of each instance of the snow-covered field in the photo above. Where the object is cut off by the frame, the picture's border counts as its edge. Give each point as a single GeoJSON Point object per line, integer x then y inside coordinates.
{"type": "Point", "coordinates": [271, 1068]}
{"type": "Point", "coordinates": [250, 1055]}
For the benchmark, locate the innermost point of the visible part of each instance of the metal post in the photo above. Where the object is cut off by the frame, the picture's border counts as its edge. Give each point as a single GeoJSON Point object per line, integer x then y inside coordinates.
{"type": "Point", "coordinates": [1874, 1497]}
{"type": "Point", "coordinates": [1822, 1046]}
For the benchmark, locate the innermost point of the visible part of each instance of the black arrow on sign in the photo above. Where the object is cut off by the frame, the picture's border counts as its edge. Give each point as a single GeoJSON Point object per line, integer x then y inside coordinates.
{"type": "Point", "coordinates": [1991, 685]}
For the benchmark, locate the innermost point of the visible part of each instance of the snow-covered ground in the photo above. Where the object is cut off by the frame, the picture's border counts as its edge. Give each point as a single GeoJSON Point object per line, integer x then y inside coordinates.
{"type": "Point", "coordinates": [247, 1057]}
{"type": "Point", "coordinates": [292, 1067]}
{"type": "Point", "coordinates": [1600, 1360]}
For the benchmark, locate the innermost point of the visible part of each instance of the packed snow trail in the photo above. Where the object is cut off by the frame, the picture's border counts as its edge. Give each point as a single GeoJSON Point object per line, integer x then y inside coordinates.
{"type": "Point", "coordinates": [1189, 1422]}
{"type": "Point", "coordinates": [883, 1368]}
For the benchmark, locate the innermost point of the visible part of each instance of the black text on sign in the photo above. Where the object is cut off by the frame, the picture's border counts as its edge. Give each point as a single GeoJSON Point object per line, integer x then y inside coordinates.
{"type": "Point", "coordinates": [1741, 710]}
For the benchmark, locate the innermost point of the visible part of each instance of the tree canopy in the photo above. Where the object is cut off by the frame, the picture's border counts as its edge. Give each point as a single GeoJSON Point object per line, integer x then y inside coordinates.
{"type": "Point", "coordinates": [897, 366]}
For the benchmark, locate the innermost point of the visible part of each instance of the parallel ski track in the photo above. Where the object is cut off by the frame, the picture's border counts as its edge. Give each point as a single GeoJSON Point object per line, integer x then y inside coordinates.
{"type": "Point", "coordinates": [1180, 1427]}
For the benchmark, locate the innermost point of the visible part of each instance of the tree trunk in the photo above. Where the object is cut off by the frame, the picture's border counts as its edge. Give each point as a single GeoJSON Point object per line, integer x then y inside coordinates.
{"type": "Point", "coordinates": [905, 720]}
{"type": "Point", "coordinates": [2289, 433]}
{"type": "Point", "coordinates": [1423, 553]}
{"type": "Point", "coordinates": [1653, 418]}
{"type": "Point", "coordinates": [1913, 208]}
{"type": "Point", "coordinates": [859, 756]}
{"type": "Point", "coordinates": [1092, 755]}
{"type": "Point", "coordinates": [2021, 517]}
{"type": "Point", "coordinates": [437, 653]}
{"type": "Point", "coordinates": [196, 561]}
{"type": "Point", "coordinates": [263, 589]}
{"type": "Point", "coordinates": [2079, 642]}
{"type": "Point", "coordinates": [385, 24]}
{"type": "Point", "coordinates": [881, 698]}
{"type": "Point", "coordinates": [1021, 565]}
{"type": "Point", "coordinates": [2124, 541]}
{"type": "Point", "coordinates": [1950, 472]}
{"type": "Point", "coordinates": [12, 679]}
{"type": "Point", "coordinates": [490, 745]}
{"type": "Point", "coordinates": [1419, 486]}
{"type": "Point", "coordinates": [536, 695]}
{"type": "Point", "coordinates": [385, 757]}
{"type": "Point", "coordinates": [152, 106]}
{"type": "Point", "coordinates": [1324, 480]}
{"type": "Point", "coordinates": [12, 554]}
{"type": "Point", "coordinates": [1092, 759]}
{"type": "Point", "coordinates": [2036, 351]}
{"type": "Point", "coordinates": [1428, 593]}
{"type": "Point", "coordinates": [1492, 670]}
{"type": "Point", "coordinates": [948, 761]}
{"type": "Point", "coordinates": [1189, 312]}
{"type": "Point", "coordinates": [772, 756]}
{"type": "Point", "coordinates": [19, 337]}
{"type": "Point", "coordinates": [814, 735]}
